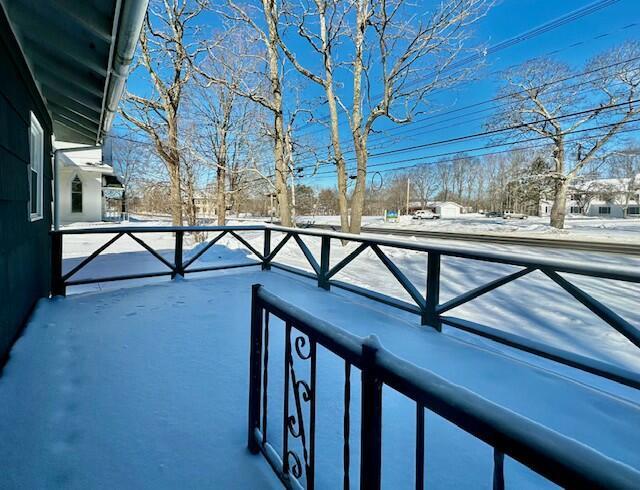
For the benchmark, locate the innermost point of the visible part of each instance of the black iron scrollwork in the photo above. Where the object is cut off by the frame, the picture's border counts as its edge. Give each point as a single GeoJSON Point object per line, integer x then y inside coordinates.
{"type": "Point", "coordinates": [303, 392]}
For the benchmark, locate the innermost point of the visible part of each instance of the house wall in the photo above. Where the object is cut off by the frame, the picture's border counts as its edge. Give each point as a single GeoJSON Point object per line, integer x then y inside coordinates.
{"type": "Point", "coordinates": [25, 246]}
{"type": "Point", "coordinates": [448, 211]}
{"type": "Point", "coordinates": [593, 209]}
{"type": "Point", "coordinates": [91, 196]}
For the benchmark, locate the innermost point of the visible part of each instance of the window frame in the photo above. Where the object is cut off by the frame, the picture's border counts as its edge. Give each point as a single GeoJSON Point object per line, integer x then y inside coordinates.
{"type": "Point", "coordinates": [608, 208]}
{"type": "Point", "coordinates": [36, 164]}
{"type": "Point", "coordinates": [81, 192]}
{"type": "Point", "coordinates": [636, 208]}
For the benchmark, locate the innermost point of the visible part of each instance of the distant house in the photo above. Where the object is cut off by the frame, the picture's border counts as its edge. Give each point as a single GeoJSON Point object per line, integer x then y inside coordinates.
{"type": "Point", "coordinates": [63, 66]}
{"type": "Point", "coordinates": [205, 202]}
{"type": "Point", "coordinates": [610, 198]}
{"type": "Point", "coordinates": [84, 177]}
{"type": "Point", "coordinates": [445, 209]}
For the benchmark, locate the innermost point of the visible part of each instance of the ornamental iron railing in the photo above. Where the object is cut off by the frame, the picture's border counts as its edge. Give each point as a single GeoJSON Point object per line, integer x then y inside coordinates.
{"type": "Point", "coordinates": [560, 459]}
{"type": "Point", "coordinates": [432, 312]}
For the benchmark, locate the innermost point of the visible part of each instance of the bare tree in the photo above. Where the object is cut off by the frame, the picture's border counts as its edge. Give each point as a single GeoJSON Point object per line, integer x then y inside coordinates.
{"type": "Point", "coordinates": [425, 182]}
{"type": "Point", "coordinates": [321, 24]}
{"type": "Point", "coordinates": [165, 54]}
{"type": "Point", "coordinates": [537, 105]}
{"type": "Point", "coordinates": [405, 41]}
{"type": "Point", "coordinates": [264, 27]}
{"type": "Point", "coordinates": [127, 163]}
{"type": "Point", "coordinates": [215, 107]}
{"type": "Point", "coordinates": [625, 167]}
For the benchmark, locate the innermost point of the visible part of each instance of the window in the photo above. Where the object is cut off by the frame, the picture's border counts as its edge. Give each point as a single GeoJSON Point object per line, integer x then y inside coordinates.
{"type": "Point", "coordinates": [604, 210]}
{"type": "Point", "coordinates": [36, 157]}
{"type": "Point", "coordinates": [633, 210]}
{"type": "Point", "coordinates": [76, 195]}
{"type": "Point", "coordinates": [575, 210]}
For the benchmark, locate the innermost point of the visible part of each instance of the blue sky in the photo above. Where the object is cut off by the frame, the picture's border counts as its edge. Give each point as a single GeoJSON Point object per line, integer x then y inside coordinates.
{"type": "Point", "coordinates": [506, 20]}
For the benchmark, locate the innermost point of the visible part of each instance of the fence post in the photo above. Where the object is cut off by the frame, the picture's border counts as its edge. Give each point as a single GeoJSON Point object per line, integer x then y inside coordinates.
{"type": "Point", "coordinates": [58, 287]}
{"type": "Point", "coordinates": [266, 265]}
{"type": "Point", "coordinates": [255, 356]}
{"type": "Point", "coordinates": [429, 314]}
{"type": "Point", "coordinates": [371, 422]}
{"type": "Point", "coordinates": [179, 269]}
{"type": "Point", "coordinates": [325, 255]}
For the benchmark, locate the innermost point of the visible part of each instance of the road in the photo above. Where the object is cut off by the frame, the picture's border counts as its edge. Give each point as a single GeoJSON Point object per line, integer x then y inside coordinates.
{"type": "Point", "coordinates": [587, 246]}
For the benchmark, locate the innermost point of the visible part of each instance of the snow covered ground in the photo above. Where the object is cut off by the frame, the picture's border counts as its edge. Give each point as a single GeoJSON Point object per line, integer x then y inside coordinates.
{"type": "Point", "coordinates": [146, 387]}
{"type": "Point", "coordinates": [533, 306]}
{"type": "Point", "coordinates": [576, 227]}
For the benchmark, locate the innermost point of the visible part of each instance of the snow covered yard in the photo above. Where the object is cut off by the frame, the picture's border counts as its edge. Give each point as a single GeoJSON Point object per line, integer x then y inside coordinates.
{"type": "Point", "coordinates": [146, 387]}
{"type": "Point", "coordinates": [587, 228]}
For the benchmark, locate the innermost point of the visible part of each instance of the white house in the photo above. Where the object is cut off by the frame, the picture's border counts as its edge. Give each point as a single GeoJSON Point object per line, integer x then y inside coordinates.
{"type": "Point", "coordinates": [84, 176]}
{"type": "Point", "coordinates": [446, 209]}
{"type": "Point", "coordinates": [601, 197]}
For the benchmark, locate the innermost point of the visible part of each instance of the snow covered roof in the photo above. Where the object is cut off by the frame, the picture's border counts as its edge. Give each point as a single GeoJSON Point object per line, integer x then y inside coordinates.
{"type": "Point", "coordinates": [620, 184]}
{"type": "Point", "coordinates": [90, 159]}
{"type": "Point", "coordinates": [445, 203]}
{"type": "Point", "coordinates": [85, 165]}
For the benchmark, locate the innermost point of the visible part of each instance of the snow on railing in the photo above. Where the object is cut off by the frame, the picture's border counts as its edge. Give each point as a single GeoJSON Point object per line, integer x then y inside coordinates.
{"type": "Point", "coordinates": [560, 459]}
{"type": "Point", "coordinates": [428, 306]}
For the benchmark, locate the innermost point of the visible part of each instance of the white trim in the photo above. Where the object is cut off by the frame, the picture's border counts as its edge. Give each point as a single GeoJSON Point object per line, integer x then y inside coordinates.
{"type": "Point", "coordinates": [36, 164]}
{"type": "Point", "coordinates": [71, 182]}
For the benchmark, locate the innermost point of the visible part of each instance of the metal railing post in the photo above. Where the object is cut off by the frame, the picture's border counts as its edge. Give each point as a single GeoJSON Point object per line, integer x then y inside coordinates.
{"type": "Point", "coordinates": [325, 256]}
{"type": "Point", "coordinates": [179, 269]}
{"type": "Point", "coordinates": [371, 422]}
{"type": "Point", "coordinates": [429, 314]}
{"type": "Point", "coordinates": [57, 283]}
{"type": "Point", "coordinates": [255, 374]}
{"type": "Point", "coordinates": [266, 250]}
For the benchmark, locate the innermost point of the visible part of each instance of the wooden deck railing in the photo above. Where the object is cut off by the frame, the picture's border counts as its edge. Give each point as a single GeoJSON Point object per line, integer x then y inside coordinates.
{"type": "Point", "coordinates": [432, 312]}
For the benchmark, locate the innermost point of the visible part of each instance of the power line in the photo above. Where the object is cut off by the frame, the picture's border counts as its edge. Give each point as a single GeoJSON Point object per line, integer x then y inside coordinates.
{"type": "Point", "coordinates": [498, 152]}
{"type": "Point", "coordinates": [522, 37]}
{"type": "Point", "coordinates": [408, 130]}
{"type": "Point", "coordinates": [511, 94]}
{"type": "Point", "coordinates": [473, 136]}
{"type": "Point", "coordinates": [596, 110]}
{"type": "Point", "coordinates": [469, 106]}
{"type": "Point", "coordinates": [507, 143]}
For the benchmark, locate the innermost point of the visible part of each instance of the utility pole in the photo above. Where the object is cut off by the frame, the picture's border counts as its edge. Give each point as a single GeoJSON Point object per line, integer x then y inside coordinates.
{"type": "Point", "coordinates": [408, 187]}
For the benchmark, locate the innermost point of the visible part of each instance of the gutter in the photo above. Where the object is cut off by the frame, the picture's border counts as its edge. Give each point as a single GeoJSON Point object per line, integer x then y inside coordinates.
{"type": "Point", "coordinates": [130, 23]}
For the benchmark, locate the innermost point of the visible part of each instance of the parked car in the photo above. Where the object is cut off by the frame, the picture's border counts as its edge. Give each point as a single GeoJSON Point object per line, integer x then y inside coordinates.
{"type": "Point", "coordinates": [494, 214]}
{"type": "Point", "coordinates": [512, 215]}
{"type": "Point", "coordinates": [424, 214]}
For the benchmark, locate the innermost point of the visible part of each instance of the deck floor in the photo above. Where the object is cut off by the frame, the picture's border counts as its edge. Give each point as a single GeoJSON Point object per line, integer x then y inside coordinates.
{"type": "Point", "coordinates": [146, 387]}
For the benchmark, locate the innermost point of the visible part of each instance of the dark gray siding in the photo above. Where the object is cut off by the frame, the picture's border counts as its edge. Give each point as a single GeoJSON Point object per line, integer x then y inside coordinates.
{"type": "Point", "coordinates": [25, 246]}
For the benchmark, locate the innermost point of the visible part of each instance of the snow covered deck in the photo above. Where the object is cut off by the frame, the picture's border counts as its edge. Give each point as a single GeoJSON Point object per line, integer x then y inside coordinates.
{"type": "Point", "coordinates": [147, 387]}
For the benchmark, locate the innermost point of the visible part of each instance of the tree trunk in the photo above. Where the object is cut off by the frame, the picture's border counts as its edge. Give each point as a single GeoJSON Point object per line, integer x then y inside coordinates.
{"type": "Point", "coordinates": [175, 182]}
{"type": "Point", "coordinates": [282, 196]}
{"type": "Point", "coordinates": [357, 199]}
{"type": "Point", "coordinates": [341, 167]}
{"type": "Point", "coordinates": [271, 17]}
{"type": "Point", "coordinates": [359, 139]}
{"type": "Point", "coordinates": [191, 210]}
{"type": "Point", "coordinates": [221, 202]}
{"type": "Point", "coordinates": [559, 207]}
